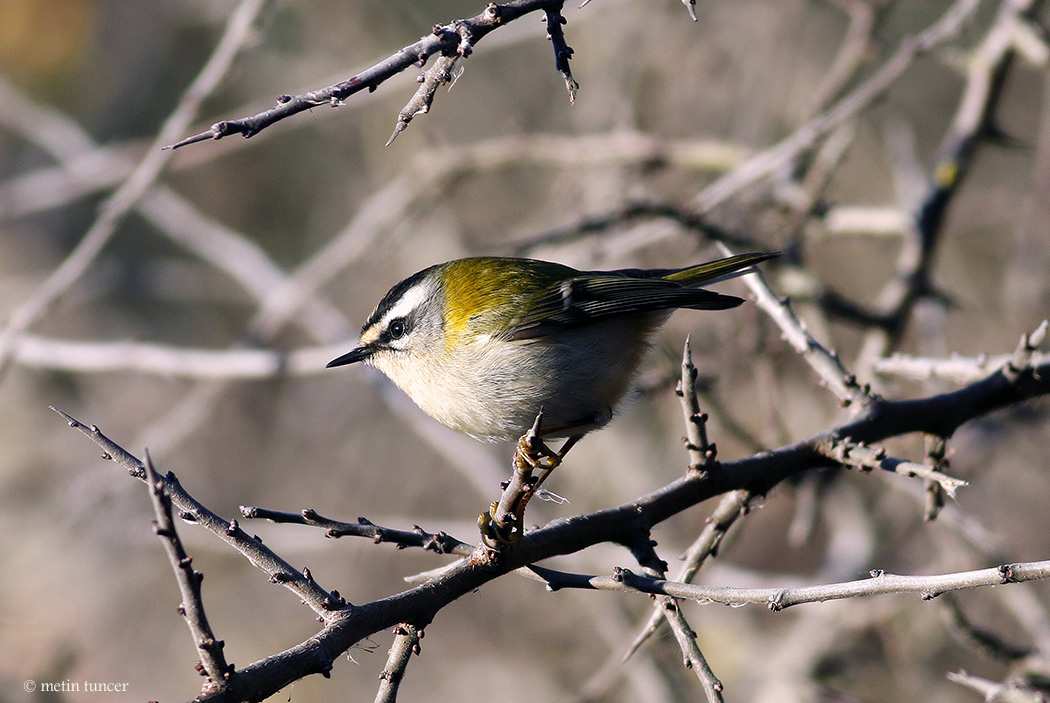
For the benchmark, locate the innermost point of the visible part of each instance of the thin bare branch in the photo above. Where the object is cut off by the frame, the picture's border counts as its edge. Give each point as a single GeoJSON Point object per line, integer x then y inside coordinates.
{"type": "Point", "coordinates": [644, 551]}
{"type": "Point", "coordinates": [935, 455]}
{"type": "Point", "coordinates": [693, 658]}
{"type": "Point", "coordinates": [777, 599]}
{"type": "Point", "coordinates": [856, 45]}
{"type": "Point", "coordinates": [962, 369]}
{"type": "Point", "coordinates": [955, 368]}
{"type": "Point", "coordinates": [95, 167]}
{"type": "Point", "coordinates": [239, 257]}
{"type": "Point", "coordinates": [997, 692]}
{"type": "Point", "coordinates": [457, 38]}
{"type": "Point", "coordinates": [562, 51]}
{"type": "Point", "coordinates": [325, 604]}
{"type": "Point", "coordinates": [406, 643]}
{"type": "Point", "coordinates": [503, 524]}
{"type": "Point", "coordinates": [701, 452]}
{"type": "Point", "coordinates": [818, 176]}
{"type": "Point", "coordinates": [979, 639]}
{"type": "Point", "coordinates": [212, 661]}
{"type": "Point", "coordinates": [1021, 361]}
{"type": "Point", "coordinates": [732, 506]}
{"type": "Point", "coordinates": [866, 457]}
{"type": "Point", "coordinates": [429, 81]}
{"type": "Point", "coordinates": [439, 542]}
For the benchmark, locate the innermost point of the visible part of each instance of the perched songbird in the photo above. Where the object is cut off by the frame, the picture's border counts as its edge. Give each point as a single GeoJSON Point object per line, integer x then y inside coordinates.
{"type": "Point", "coordinates": [482, 344]}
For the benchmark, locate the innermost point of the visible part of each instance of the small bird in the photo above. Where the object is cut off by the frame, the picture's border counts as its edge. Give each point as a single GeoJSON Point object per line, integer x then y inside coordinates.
{"type": "Point", "coordinates": [483, 344]}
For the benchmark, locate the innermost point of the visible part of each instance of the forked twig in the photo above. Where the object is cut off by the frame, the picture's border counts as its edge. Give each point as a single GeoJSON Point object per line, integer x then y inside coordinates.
{"type": "Point", "coordinates": [457, 38]}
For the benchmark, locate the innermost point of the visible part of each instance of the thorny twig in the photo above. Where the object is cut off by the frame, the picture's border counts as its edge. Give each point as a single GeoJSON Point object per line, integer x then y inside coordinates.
{"type": "Point", "coordinates": [325, 604]}
{"type": "Point", "coordinates": [733, 505]}
{"type": "Point", "coordinates": [929, 586]}
{"type": "Point", "coordinates": [212, 661]}
{"type": "Point", "coordinates": [866, 457]}
{"type": "Point", "coordinates": [438, 542]}
{"type": "Point", "coordinates": [654, 567]}
{"type": "Point", "coordinates": [456, 38]}
{"type": "Point", "coordinates": [406, 643]}
{"type": "Point", "coordinates": [936, 457]}
{"type": "Point", "coordinates": [562, 51]}
{"type": "Point", "coordinates": [702, 453]}
{"type": "Point", "coordinates": [430, 80]}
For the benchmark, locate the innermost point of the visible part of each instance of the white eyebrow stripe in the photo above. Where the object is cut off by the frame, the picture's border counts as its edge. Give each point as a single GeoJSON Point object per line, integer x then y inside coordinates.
{"type": "Point", "coordinates": [411, 300]}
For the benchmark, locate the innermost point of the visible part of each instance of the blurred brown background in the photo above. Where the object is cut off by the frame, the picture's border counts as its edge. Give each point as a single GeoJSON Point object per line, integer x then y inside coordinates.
{"type": "Point", "coordinates": [502, 158]}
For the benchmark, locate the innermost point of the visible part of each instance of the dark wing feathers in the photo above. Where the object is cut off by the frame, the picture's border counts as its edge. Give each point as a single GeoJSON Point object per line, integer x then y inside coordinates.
{"type": "Point", "coordinates": [595, 297]}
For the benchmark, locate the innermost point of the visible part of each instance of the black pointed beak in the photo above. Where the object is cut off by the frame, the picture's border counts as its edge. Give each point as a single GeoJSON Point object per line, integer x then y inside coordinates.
{"type": "Point", "coordinates": [354, 355]}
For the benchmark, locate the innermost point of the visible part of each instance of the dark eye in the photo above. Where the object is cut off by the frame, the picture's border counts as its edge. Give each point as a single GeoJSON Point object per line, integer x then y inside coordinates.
{"type": "Point", "coordinates": [397, 329]}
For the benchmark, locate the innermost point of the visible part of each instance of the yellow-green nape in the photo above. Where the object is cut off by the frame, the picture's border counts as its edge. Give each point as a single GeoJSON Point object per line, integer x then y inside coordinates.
{"type": "Point", "coordinates": [500, 286]}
